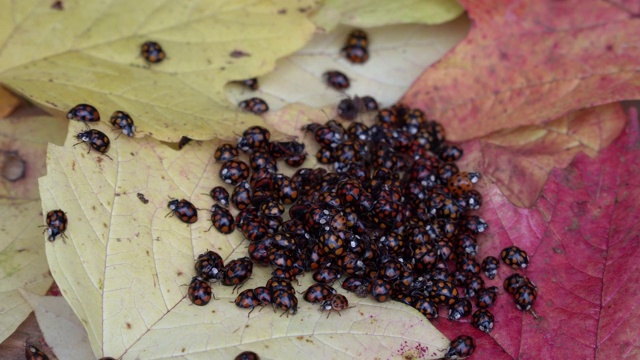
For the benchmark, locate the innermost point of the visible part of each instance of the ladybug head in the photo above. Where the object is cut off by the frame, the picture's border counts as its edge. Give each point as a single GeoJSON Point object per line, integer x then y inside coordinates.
{"type": "Point", "coordinates": [173, 204]}
{"type": "Point", "coordinates": [83, 136]}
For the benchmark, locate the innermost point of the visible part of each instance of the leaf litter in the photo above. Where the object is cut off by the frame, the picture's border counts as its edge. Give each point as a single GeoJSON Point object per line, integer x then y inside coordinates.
{"type": "Point", "coordinates": [95, 58]}
{"type": "Point", "coordinates": [22, 257]}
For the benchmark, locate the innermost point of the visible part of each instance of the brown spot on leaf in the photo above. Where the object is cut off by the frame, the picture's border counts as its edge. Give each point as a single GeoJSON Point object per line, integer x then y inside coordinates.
{"type": "Point", "coordinates": [180, 273]}
{"type": "Point", "coordinates": [238, 54]}
{"type": "Point", "coordinates": [282, 11]}
{"type": "Point", "coordinates": [57, 5]}
{"type": "Point", "coordinates": [128, 325]}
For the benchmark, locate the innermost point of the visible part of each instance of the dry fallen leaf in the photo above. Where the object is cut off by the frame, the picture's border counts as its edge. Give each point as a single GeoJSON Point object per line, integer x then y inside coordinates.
{"type": "Point", "coordinates": [89, 52]}
{"type": "Point", "coordinates": [370, 13]}
{"type": "Point", "coordinates": [582, 236]}
{"type": "Point", "coordinates": [530, 62]}
{"type": "Point", "coordinates": [125, 266]}
{"type": "Point", "coordinates": [8, 102]}
{"type": "Point", "coordinates": [519, 161]}
{"type": "Point", "coordinates": [61, 328]}
{"type": "Point", "coordinates": [22, 259]}
{"type": "Point", "coordinates": [398, 54]}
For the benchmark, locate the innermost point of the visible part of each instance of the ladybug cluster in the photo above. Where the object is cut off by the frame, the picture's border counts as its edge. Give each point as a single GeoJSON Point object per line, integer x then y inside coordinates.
{"type": "Point", "coordinates": [210, 268]}
{"type": "Point", "coordinates": [95, 139]}
{"type": "Point", "coordinates": [394, 220]}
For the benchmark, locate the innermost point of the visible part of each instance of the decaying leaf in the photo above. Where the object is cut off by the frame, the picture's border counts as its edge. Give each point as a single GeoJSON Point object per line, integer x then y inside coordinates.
{"type": "Point", "coordinates": [398, 54]}
{"type": "Point", "coordinates": [363, 13]}
{"type": "Point", "coordinates": [22, 258]}
{"type": "Point", "coordinates": [61, 328]}
{"type": "Point", "coordinates": [8, 102]}
{"type": "Point", "coordinates": [519, 161]}
{"type": "Point", "coordinates": [530, 62]}
{"type": "Point", "coordinates": [125, 267]}
{"type": "Point", "coordinates": [89, 52]}
{"type": "Point", "coordinates": [582, 239]}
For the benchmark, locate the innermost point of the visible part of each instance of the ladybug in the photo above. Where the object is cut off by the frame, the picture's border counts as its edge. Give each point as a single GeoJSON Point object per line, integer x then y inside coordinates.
{"type": "Point", "coordinates": [278, 284]}
{"type": "Point", "coordinates": [96, 140]}
{"type": "Point", "coordinates": [285, 300]}
{"type": "Point", "coordinates": [317, 293]}
{"type": "Point", "coordinates": [359, 285]}
{"type": "Point", "coordinates": [460, 308]}
{"type": "Point", "coordinates": [272, 208]}
{"type": "Point", "coordinates": [332, 243]}
{"type": "Point", "coordinates": [121, 120]}
{"type": "Point", "coordinates": [355, 54]}
{"type": "Point", "coordinates": [222, 219]}
{"type": "Point", "coordinates": [220, 195]}
{"type": "Point", "coordinates": [250, 83]}
{"type": "Point", "coordinates": [56, 224]}
{"type": "Point", "coordinates": [84, 112]}
{"type": "Point", "coordinates": [33, 353]}
{"type": "Point", "coordinates": [247, 300]}
{"type": "Point", "coordinates": [443, 292]}
{"type": "Point", "coordinates": [237, 272]}
{"type": "Point", "coordinates": [525, 297]}
{"type": "Point", "coordinates": [241, 196]}
{"type": "Point", "coordinates": [357, 37]}
{"type": "Point", "coordinates": [370, 104]}
{"type": "Point", "coordinates": [483, 320]}
{"type": "Point", "coordinates": [152, 52]}
{"type": "Point", "coordinates": [255, 105]}
{"type": "Point", "coordinates": [450, 152]}
{"type": "Point", "coordinates": [474, 224]}
{"type": "Point", "coordinates": [381, 290]}
{"type": "Point", "coordinates": [514, 282]}
{"type": "Point", "coordinates": [515, 257]}
{"type": "Point", "coordinates": [209, 266]}
{"type": "Point", "coordinates": [336, 302]}
{"type": "Point", "coordinates": [234, 171]}
{"type": "Point", "coordinates": [403, 298]}
{"type": "Point", "coordinates": [263, 295]}
{"type": "Point", "coordinates": [426, 307]}
{"type": "Point", "coordinates": [247, 355]}
{"type": "Point", "coordinates": [287, 189]}
{"type": "Point", "coordinates": [486, 297]}
{"type": "Point", "coordinates": [336, 79]}
{"type": "Point", "coordinates": [490, 266]}
{"type": "Point", "coordinates": [259, 252]}
{"type": "Point", "coordinates": [387, 116]}
{"type": "Point", "coordinates": [199, 291]}
{"type": "Point", "coordinates": [184, 210]}
{"type": "Point", "coordinates": [255, 137]}
{"type": "Point", "coordinates": [462, 182]}
{"type": "Point", "coordinates": [326, 275]}
{"type": "Point", "coordinates": [473, 284]}
{"type": "Point", "coordinates": [472, 200]}
{"type": "Point", "coordinates": [295, 160]}
{"type": "Point", "coordinates": [225, 152]}
{"type": "Point", "coordinates": [461, 347]}
{"type": "Point", "coordinates": [183, 142]}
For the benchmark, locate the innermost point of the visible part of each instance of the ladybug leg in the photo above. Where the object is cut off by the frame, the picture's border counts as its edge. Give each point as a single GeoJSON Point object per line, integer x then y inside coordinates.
{"type": "Point", "coordinates": [209, 228]}
{"type": "Point", "coordinates": [253, 308]}
{"type": "Point", "coordinates": [170, 213]}
{"type": "Point", "coordinates": [110, 158]}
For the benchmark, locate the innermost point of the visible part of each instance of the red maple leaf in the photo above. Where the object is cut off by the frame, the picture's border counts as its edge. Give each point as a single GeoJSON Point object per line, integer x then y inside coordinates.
{"type": "Point", "coordinates": [583, 239]}
{"type": "Point", "coordinates": [528, 62]}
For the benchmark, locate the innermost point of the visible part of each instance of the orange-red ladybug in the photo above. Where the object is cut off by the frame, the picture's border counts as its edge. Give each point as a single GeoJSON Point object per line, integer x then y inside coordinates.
{"type": "Point", "coordinates": [123, 121]}
{"type": "Point", "coordinates": [285, 300]}
{"type": "Point", "coordinates": [336, 302]}
{"type": "Point", "coordinates": [462, 182]}
{"type": "Point", "coordinates": [152, 52]}
{"type": "Point", "coordinates": [199, 291]}
{"type": "Point", "coordinates": [355, 54]}
{"type": "Point", "coordinates": [184, 210]}
{"type": "Point", "coordinates": [84, 112]}
{"type": "Point", "coordinates": [96, 140]}
{"type": "Point", "coordinates": [56, 224]}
